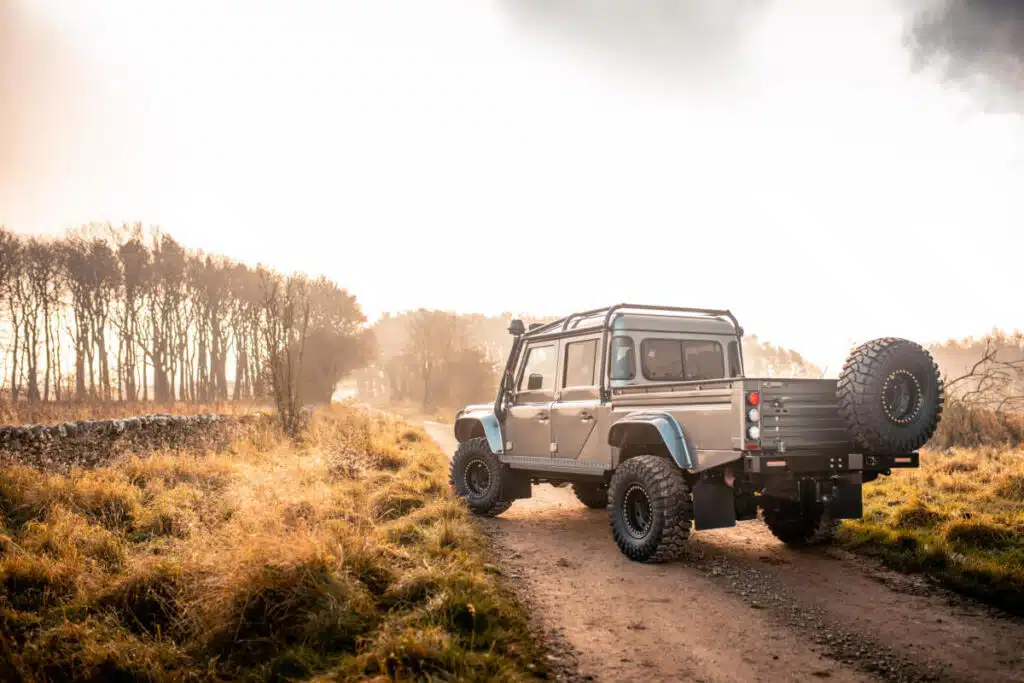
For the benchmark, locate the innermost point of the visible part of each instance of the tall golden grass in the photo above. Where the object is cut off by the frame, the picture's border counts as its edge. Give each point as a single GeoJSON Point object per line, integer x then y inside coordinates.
{"type": "Point", "coordinates": [343, 556]}
{"type": "Point", "coordinates": [969, 426]}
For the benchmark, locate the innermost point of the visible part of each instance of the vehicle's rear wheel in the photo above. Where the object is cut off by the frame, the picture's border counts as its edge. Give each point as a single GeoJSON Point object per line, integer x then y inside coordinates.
{"type": "Point", "coordinates": [798, 527]}
{"type": "Point", "coordinates": [476, 476]}
{"type": "Point", "coordinates": [651, 509]}
{"type": "Point", "coordinates": [890, 393]}
{"type": "Point", "coordinates": [592, 495]}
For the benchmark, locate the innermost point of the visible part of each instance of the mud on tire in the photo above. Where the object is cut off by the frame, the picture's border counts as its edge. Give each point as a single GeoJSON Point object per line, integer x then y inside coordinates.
{"type": "Point", "coordinates": [795, 527]}
{"type": "Point", "coordinates": [890, 393]}
{"type": "Point", "coordinates": [476, 477]}
{"type": "Point", "coordinates": [594, 496]}
{"type": "Point", "coordinates": [651, 509]}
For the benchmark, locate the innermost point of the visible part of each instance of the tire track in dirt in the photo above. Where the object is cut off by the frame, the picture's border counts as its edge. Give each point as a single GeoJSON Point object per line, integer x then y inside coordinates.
{"type": "Point", "coordinates": [740, 606]}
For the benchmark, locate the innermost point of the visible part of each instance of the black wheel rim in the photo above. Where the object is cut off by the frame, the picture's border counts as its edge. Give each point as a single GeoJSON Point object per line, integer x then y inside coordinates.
{"type": "Point", "coordinates": [478, 478]}
{"type": "Point", "coordinates": [901, 397]}
{"type": "Point", "coordinates": [636, 509]}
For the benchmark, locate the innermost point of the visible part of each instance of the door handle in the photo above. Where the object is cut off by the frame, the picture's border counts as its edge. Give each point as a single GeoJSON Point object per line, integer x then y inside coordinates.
{"type": "Point", "coordinates": [586, 416]}
{"type": "Point", "coordinates": [543, 417]}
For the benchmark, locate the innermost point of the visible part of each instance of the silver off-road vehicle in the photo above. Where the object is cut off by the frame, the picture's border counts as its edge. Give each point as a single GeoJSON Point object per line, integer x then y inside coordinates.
{"type": "Point", "coordinates": [645, 410]}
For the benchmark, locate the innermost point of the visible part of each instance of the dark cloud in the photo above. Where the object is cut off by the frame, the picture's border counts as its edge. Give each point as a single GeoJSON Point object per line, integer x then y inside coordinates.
{"type": "Point", "coordinates": [975, 43]}
{"type": "Point", "coordinates": [682, 36]}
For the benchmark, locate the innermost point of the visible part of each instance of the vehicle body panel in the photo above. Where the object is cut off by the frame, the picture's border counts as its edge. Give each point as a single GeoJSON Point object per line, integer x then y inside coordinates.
{"type": "Point", "coordinates": [577, 408]}
{"type": "Point", "coordinates": [484, 416]}
{"type": "Point", "coordinates": [803, 414]}
{"type": "Point", "coordinates": [668, 429]}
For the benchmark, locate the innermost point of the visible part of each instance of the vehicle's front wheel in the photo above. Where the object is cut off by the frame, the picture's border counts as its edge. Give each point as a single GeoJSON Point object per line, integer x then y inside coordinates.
{"type": "Point", "coordinates": [594, 496]}
{"type": "Point", "coordinates": [476, 476]}
{"type": "Point", "coordinates": [793, 525]}
{"type": "Point", "coordinates": [651, 509]}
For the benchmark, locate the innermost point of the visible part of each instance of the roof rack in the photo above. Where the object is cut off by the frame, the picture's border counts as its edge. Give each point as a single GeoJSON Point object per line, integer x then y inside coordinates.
{"type": "Point", "coordinates": [562, 324]}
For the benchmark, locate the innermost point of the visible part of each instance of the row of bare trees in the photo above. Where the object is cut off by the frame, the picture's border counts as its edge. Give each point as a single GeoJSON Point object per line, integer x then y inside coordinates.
{"type": "Point", "coordinates": [119, 313]}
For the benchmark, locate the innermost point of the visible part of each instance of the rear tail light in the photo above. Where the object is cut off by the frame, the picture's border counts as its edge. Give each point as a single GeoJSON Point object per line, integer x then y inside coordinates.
{"type": "Point", "coordinates": [753, 419]}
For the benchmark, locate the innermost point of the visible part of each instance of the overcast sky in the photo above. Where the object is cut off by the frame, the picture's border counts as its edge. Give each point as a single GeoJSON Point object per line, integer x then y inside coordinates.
{"type": "Point", "coordinates": [780, 159]}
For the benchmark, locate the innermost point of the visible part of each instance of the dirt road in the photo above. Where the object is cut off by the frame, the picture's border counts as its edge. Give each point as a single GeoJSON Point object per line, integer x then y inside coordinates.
{"type": "Point", "coordinates": [740, 607]}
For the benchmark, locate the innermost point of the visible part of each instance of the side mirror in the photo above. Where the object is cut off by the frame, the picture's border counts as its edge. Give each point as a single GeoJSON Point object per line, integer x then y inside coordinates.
{"type": "Point", "coordinates": [516, 328]}
{"type": "Point", "coordinates": [535, 382]}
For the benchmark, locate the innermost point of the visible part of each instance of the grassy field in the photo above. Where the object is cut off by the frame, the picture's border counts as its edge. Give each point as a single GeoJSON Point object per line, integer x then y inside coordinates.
{"type": "Point", "coordinates": [959, 518]}
{"type": "Point", "coordinates": [343, 557]}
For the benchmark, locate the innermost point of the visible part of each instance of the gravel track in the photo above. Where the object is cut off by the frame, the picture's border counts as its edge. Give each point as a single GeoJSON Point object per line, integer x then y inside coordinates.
{"type": "Point", "coordinates": [739, 606]}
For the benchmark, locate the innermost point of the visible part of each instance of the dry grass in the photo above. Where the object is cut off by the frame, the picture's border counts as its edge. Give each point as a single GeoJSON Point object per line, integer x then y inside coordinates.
{"type": "Point", "coordinates": [960, 518]}
{"type": "Point", "coordinates": [23, 413]}
{"type": "Point", "coordinates": [343, 557]}
{"type": "Point", "coordinates": [974, 427]}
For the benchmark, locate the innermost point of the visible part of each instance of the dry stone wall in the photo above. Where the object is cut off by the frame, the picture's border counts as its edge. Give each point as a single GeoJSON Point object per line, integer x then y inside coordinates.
{"type": "Point", "coordinates": [92, 443]}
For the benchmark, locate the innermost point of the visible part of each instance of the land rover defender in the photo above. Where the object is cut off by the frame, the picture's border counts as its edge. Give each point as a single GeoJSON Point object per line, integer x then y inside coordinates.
{"type": "Point", "coordinates": [646, 411]}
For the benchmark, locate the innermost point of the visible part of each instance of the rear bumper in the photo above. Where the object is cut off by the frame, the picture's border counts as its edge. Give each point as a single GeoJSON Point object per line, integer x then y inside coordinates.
{"type": "Point", "coordinates": [827, 462]}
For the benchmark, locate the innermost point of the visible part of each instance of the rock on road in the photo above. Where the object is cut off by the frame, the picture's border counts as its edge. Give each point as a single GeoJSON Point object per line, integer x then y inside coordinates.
{"type": "Point", "coordinates": [739, 607]}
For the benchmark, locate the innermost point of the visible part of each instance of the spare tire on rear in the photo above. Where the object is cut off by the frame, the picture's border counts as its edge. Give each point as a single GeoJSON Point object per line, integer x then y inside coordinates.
{"type": "Point", "coordinates": [890, 393]}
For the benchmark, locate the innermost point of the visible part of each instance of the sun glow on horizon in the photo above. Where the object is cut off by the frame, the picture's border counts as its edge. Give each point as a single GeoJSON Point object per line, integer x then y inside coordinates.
{"type": "Point", "coordinates": [455, 156]}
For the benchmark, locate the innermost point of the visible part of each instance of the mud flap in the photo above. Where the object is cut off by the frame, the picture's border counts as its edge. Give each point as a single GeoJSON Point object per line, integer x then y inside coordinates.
{"type": "Point", "coordinates": [714, 505]}
{"type": "Point", "coordinates": [847, 500]}
{"type": "Point", "coordinates": [515, 485]}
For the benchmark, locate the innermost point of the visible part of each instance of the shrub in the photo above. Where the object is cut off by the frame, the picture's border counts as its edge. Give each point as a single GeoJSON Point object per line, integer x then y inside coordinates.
{"type": "Point", "coordinates": [978, 532]}
{"type": "Point", "coordinates": [917, 515]}
{"type": "Point", "coordinates": [1011, 487]}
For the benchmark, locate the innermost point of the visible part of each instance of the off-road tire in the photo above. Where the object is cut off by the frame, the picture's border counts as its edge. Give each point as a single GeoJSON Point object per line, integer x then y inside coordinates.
{"type": "Point", "coordinates": [661, 483]}
{"type": "Point", "coordinates": [594, 496]}
{"type": "Point", "coordinates": [797, 528]}
{"type": "Point", "coordinates": [890, 393]}
{"type": "Point", "coordinates": [471, 461]}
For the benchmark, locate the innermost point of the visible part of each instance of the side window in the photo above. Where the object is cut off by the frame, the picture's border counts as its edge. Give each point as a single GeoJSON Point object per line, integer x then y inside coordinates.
{"type": "Point", "coordinates": [580, 360]}
{"type": "Point", "coordinates": [540, 360]}
{"type": "Point", "coordinates": [623, 358]}
{"type": "Point", "coordinates": [703, 360]}
{"type": "Point", "coordinates": [734, 360]}
{"type": "Point", "coordinates": [662, 359]}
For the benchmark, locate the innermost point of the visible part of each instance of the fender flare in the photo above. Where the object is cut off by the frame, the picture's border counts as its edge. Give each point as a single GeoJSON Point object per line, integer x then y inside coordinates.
{"type": "Point", "coordinates": [671, 432]}
{"type": "Point", "coordinates": [465, 422]}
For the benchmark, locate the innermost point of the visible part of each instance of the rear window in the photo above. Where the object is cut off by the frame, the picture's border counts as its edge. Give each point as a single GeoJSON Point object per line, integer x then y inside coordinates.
{"type": "Point", "coordinates": [676, 360]}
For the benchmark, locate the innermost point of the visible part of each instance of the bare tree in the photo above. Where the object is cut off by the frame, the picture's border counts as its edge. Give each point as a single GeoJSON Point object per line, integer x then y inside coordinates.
{"type": "Point", "coordinates": [286, 323]}
{"type": "Point", "coordinates": [995, 380]}
{"type": "Point", "coordinates": [10, 271]}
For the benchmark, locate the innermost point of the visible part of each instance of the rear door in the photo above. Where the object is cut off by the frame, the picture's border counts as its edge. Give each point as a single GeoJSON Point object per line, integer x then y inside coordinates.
{"type": "Point", "coordinates": [574, 413]}
{"type": "Point", "coordinates": [528, 423]}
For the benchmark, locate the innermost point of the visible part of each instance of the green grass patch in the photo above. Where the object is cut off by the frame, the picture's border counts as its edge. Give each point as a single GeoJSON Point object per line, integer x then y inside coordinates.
{"type": "Point", "coordinates": [959, 518]}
